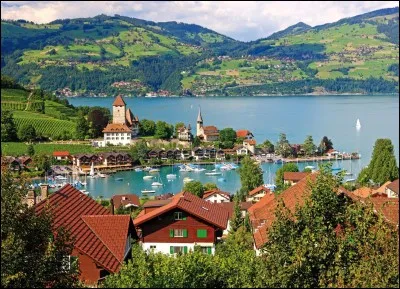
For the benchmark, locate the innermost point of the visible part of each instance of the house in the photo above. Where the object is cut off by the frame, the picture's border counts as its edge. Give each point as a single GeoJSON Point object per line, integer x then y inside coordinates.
{"type": "Point", "coordinates": [124, 126]}
{"type": "Point", "coordinates": [115, 159]}
{"type": "Point", "coordinates": [154, 154]}
{"type": "Point", "coordinates": [332, 153]}
{"type": "Point", "coordinates": [185, 222]}
{"type": "Point", "coordinates": [25, 160]}
{"type": "Point", "coordinates": [12, 163]}
{"type": "Point", "coordinates": [125, 201]}
{"type": "Point", "coordinates": [230, 207]}
{"type": "Point", "coordinates": [292, 178]}
{"type": "Point", "coordinates": [185, 154]}
{"type": "Point", "coordinates": [392, 189]}
{"type": "Point", "coordinates": [206, 133]}
{"type": "Point", "coordinates": [240, 150]}
{"type": "Point", "coordinates": [185, 133]}
{"type": "Point", "coordinates": [216, 196]}
{"type": "Point", "coordinates": [198, 153]}
{"type": "Point", "coordinates": [256, 194]}
{"type": "Point", "coordinates": [155, 204]}
{"type": "Point", "coordinates": [61, 155]}
{"type": "Point", "coordinates": [250, 145]}
{"type": "Point", "coordinates": [245, 134]}
{"type": "Point", "coordinates": [102, 241]}
{"type": "Point", "coordinates": [80, 160]}
{"type": "Point", "coordinates": [220, 155]}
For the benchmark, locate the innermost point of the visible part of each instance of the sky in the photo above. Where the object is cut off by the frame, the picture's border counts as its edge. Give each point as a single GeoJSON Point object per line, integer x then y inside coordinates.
{"type": "Point", "coordinates": [241, 20]}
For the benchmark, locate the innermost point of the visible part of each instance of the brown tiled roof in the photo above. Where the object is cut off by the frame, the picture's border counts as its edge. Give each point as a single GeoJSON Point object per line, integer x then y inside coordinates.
{"type": "Point", "coordinates": [92, 225]}
{"type": "Point", "coordinates": [119, 101]}
{"type": "Point", "coordinates": [394, 186]}
{"type": "Point", "coordinates": [242, 133]}
{"type": "Point", "coordinates": [245, 205]}
{"type": "Point", "coordinates": [381, 189]}
{"type": "Point", "coordinates": [209, 212]}
{"type": "Point", "coordinates": [210, 130]}
{"type": "Point", "coordinates": [164, 196]}
{"type": "Point", "coordinates": [363, 192]}
{"type": "Point", "coordinates": [388, 207]}
{"type": "Point", "coordinates": [294, 176]}
{"type": "Point", "coordinates": [61, 153]}
{"type": "Point", "coordinates": [24, 159]}
{"type": "Point", "coordinates": [127, 199]}
{"type": "Point", "coordinates": [229, 206]}
{"type": "Point", "coordinates": [258, 190]}
{"type": "Point", "coordinates": [156, 203]}
{"type": "Point", "coordinates": [116, 127]}
{"type": "Point", "coordinates": [216, 191]}
{"type": "Point", "coordinates": [250, 141]}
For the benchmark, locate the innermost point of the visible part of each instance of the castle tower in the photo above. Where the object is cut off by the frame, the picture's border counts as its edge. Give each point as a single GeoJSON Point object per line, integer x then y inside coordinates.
{"type": "Point", "coordinates": [119, 110]}
{"type": "Point", "coordinates": [199, 127]}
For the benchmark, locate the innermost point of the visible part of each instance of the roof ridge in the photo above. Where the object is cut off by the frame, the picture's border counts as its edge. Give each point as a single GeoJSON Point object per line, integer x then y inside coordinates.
{"type": "Point", "coordinates": [98, 237]}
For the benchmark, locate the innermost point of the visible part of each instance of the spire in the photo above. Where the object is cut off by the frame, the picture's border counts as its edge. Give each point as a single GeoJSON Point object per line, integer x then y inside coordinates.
{"type": "Point", "coordinates": [119, 101]}
{"type": "Point", "coordinates": [199, 118]}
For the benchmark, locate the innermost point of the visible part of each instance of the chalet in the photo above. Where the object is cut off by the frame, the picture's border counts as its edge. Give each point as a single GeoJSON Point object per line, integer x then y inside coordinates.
{"type": "Point", "coordinates": [245, 134]}
{"type": "Point", "coordinates": [256, 194]}
{"type": "Point", "coordinates": [61, 155]}
{"type": "Point", "coordinates": [198, 153]}
{"type": "Point", "coordinates": [185, 222]}
{"type": "Point", "coordinates": [12, 163]}
{"type": "Point", "coordinates": [80, 160]}
{"type": "Point", "coordinates": [220, 155]}
{"type": "Point", "coordinates": [154, 154]}
{"type": "Point", "coordinates": [185, 133]}
{"type": "Point", "coordinates": [216, 196]}
{"type": "Point", "coordinates": [163, 155]}
{"type": "Point", "coordinates": [250, 145]}
{"type": "Point", "coordinates": [240, 150]}
{"type": "Point", "coordinates": [170, 154]}
{"type": "Point", "coordinates": [206, 133]}
{"type": "Point", "coordinates": [111, 158]}
{"type": "Point", "coordinates": [177, 154]}
{"type": "Point", "coordinates": [185, 154]}
{"type": "Point", "coordinates": [102, 241]}
{"type": "Point", "coordinates": [24, 160]}
{"type": "Point", "coordinates": [125, 201]}
{"type": "Point", "coordinates": [292, 178]}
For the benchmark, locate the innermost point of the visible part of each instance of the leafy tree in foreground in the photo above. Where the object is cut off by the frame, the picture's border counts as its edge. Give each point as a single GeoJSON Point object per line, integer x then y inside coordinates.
{"type": "Point", "coordinates": [82, 128]}
{"type": "Point", "coordinates": [210, 186]}
{"type": "Point", "coordinates": [196, 141]}
{"type": "Point", "coordinates": [250, 176]}
{"type": "Point", "coordinates": [269, 146]}
{"type": "Point", "coordinates": [236, 219]}
{"type": "Point", "coordinates": [139, 151]}
{"type": "Point", "coordinates": [31, 256]}
{"type": "Point", "coordinates": [194, 187]}
{"type": "Point", "coordinates": [8, 127]}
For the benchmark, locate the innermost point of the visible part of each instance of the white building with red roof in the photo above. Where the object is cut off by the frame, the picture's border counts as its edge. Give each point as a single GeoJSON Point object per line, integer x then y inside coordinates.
{"type": "Point", "coordinates": [206, 133]}
{"type": "Point", "coordinates": [216, 196]}
{"type": "Point", "coordinates": [256, 194]}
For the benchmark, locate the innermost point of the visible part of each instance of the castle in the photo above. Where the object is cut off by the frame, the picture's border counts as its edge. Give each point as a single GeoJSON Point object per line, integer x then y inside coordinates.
{"type": "Point", "coordinates": [124, 125]}
{"type": "Point", "coordinates": [206, 133]}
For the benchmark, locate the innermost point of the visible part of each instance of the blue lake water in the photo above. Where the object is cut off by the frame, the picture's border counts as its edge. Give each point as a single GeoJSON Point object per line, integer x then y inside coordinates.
{"type": "Point", "coordinates": [266, 117]}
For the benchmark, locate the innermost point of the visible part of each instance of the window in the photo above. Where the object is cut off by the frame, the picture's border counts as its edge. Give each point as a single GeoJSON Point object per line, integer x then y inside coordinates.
{"type": "Point", "coordinates": [201, 233]}
{"type": "Point", "coordinates": [178, 249]}
{"type": "Point", "coordinates": [179, 216]}
{"type": "Point", "coordinates": [178, 233]}
{"type": "Point", "coordinates": [206, 250]}
{"type": "Point", "coordinates": [153, 247]}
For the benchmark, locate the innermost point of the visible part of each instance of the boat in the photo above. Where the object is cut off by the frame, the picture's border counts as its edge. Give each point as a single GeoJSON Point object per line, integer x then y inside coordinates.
{"type": "Point", "coordinates": [144, 192]}
{"type": "Point", "coordinates": [85, 192]}
{"type": "Point", "coordinates": [213, 173]}
{"type": "Point", "coordinates": [59, 177]}
{"type": "Point", "coordinates": [171, 176]}
{"type": "Point", "coordinates": [186, 180]}
{"type": "Point", "coordinates": [310, 167]}
{"type": "Point", "coordinates": [146, 169]}
{"type": "Point", "coordinates": [348, 174]}
{"type": "Point", "coordinates": [102, 175]}
{"type": "Point", "coordinates": [350, 180]}
{"type": "Point", "coordinates": [92, 170]}
{"type": "Point", "coordinates": [138, 170]}
{"type": "Point", "coordinates": [156, 184]}
{"type": "Point", "coordinates": [154, 170]}
{"type": "Point", "coordinates": [119, 179]}
{"type": "Point", "coordinates": [358, 124]}
{"type": "Point", "coordinates": [147, 177]}
{"type": "Point", "coordinates": [221, 180]}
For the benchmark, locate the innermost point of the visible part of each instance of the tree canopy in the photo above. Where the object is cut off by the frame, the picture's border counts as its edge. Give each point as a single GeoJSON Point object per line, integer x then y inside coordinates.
{"type": "Point", "coordinates": [194, 187]}
{"type": "Point", "coordinates": [283, 147]}
{"type": "Point", "coordinates": [309, 147]}
{"type": "Point", "coordinates": [250, 176]}
{"type": "Point", "coordinates": [8, 127]}
{"type": "Point", "coordinates": [27, 132]}
{"type": "Point", "coordinates": [325, 145]}
{"type": "Point", "coordinates": [163, 130]}
{"type": "Point", "coordinates": [147, 127]}
{"type": "Point", "coordinates": [288, 167]}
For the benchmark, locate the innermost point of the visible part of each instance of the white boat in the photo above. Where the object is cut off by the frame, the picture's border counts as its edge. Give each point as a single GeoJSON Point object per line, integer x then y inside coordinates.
{"type": "Point", "coordinates": [213, 173]}
{"type": "Point", "coordinates": [154, 170]}
{"type": "Point", "coordinates": [310, 167]}
{"type": "Point", "coordinates": [350, 180]}
{"type": "Point", "coordinates": [171, 176]}
{"type": "Point", "coordinates": [138, 170]}
{"type": "Point", "coordinates": [92, 170]}
{"type": "Point", "coordinates": [60, 177]}
{"type": "Point", "coordinates": [148, 192]}
{"type": "Point", "coordinates": [156, 184]}
{"type": "Point", "coordinates": [187, 180]}
{"type": "Point", "coordinates": [358, 124]}
{"type": "Point", "coordinates": [147, 177]}
{"type": "Point", "coordinates": [85, 192]}
{"type": "Point", "coordinates": [102, 175]}
{"type": "Point", "coordinates": [146, 169]}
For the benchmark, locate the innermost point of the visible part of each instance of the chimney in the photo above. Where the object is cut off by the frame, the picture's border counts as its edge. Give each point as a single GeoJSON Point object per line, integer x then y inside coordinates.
{"type": "Point", "coordinates": [31, 199]}
{"type": "Point", "coordinates": [112, 206]}
{"type": "Point", "coordinates": [44, 190]}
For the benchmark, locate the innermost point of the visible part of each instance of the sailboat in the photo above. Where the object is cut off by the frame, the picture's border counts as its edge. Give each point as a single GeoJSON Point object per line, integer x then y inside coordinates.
{"type": "Point", "coordinates": [171, 176]}
{"type": "Point", "coordinates": [157, 184]}
{"type": "Point", "coordinates": [358, 124]}
{"type": "Point", "coordinates": [337, 168]}
{"type": "Point", "coordinates": [92, 174]}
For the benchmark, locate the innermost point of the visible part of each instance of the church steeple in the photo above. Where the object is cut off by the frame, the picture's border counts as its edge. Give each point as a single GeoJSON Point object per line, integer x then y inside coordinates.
{"type": "Point", "coordinates": [199, 118]}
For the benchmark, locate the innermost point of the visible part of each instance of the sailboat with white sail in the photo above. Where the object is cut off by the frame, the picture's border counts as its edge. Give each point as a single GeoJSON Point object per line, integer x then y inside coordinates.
{"type": "Point", "coordinates": [358, 124]}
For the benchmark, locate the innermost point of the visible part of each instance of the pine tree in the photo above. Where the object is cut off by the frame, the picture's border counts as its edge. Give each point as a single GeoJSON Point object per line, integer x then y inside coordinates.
{"type": "Point", "coordinates": [236, 220]}
{"type": "Point", "coordinates": [383, 165]}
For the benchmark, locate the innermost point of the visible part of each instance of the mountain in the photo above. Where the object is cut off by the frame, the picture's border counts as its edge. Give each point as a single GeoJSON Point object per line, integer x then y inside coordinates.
{"type": "Point", "coordinates": [118, 54]}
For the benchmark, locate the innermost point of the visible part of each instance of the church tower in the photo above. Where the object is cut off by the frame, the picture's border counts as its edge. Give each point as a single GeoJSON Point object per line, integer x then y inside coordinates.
{"type": "Point", "coordinates": [119, 110]}
{"type": "Point", "coordinates": [199, 127]}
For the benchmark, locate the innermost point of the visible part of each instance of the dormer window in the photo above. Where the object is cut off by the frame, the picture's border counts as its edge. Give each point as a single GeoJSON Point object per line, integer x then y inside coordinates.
{"type": "Point", "coordinates": [179, 216]}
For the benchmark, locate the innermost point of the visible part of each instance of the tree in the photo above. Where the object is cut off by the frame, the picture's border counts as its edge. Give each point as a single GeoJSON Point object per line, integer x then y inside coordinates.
{"type": "Point", "coordinates": [82, 127]}
{"type": "Point", "coordinates": [177, 127]}
{"type": "Point", "coordinates": [210, 186]}
{"type": "Point", "coordinates": [194, 187]}
{"type": "Point", "coordinates": [42, 162]}
{"type": "Point", "coordinates": [283, 147]}
{"type": "Point", "coordinates": [98, 117]}
{"type": "Point", "coordinates": [269, 146]}
{"type": "Point", "coordinates": [32, 255]}
{"type": "Point", "coordinates": [139, 151]}
{"type": "Point", "coordinates": [147, 127]}
{"type": "Point", "coordinates": [163, 130]}
{"type": "Point", "coordinates": [30, 151]}
{"type": "Point", "coordinates": [325, 145]}
{"type": "Point", "coordinates": [383, 165]}
{"type": "Point", "coordinates": [309, 147]}
{"type": "Point", "coordinates": [227, 135]}
{"type": "Point", "coordinates": [196, 141]}
{"type": "Point", "coordinates": [8, 127]}
{"type": "Point", "coordinates": [236, 219]}
{"type": "Point", "coordinates": [307, 170]}
{"type": "Point", "coordinates": [288, 167]}
{"type": "Point", "coordinates": [250, 176]}
{"type": "Point", "coordinates": [363, 177]}
{"type": "Point", "coordinates": [27, 132]}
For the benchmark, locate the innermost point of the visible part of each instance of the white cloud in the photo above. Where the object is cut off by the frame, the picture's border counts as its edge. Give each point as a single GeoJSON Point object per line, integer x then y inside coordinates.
{"type": "Point", "coordinates": [242, 20]}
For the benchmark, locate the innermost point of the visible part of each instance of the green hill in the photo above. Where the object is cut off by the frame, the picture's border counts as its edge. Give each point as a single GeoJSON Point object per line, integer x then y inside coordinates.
{"type": "Point", "coordinates": [118, 54]}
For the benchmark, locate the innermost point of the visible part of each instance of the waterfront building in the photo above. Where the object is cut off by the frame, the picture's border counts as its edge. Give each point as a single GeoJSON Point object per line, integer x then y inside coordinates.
{"type": "Point", "coordinates": [206, 133]}
{"type": "Point", "coordinates": [124, 126]}
{"type": "Point", "coordinates": [61, 155]}
{"type": "Point", "coordinates": [185, 133]}
{"type": "Point", "coordinates": [250, 145]}
{"type": "Point", "coordinates": [185, 221]}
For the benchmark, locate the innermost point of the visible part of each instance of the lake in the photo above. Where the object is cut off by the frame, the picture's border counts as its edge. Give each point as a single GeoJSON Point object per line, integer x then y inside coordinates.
{"type": "Point", "coordinates": [266, 117]}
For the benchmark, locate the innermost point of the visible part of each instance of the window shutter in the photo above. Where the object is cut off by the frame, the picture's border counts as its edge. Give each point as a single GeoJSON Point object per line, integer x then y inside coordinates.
{"type": "Point", "coordinates": [171, 232]}
{"type": "Point", "coordinates": [209, 250]}
{"type": "Point", "coordinates": [201, 233]}
{"type": "Point", "coordinates": [185, 249]}
{"type": "Point", "coordinates": [185, 234]}
{"type": "Point", "coordinates": [171, 249]}
{"type": "Point", "coordinates": [183, 216]}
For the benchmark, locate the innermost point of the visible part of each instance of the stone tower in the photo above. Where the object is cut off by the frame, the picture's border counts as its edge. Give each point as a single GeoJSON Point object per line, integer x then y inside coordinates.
{"type": "Point", "coordinates": [199, 127]}
{"type": "Point", "coordinates": [119, 110]}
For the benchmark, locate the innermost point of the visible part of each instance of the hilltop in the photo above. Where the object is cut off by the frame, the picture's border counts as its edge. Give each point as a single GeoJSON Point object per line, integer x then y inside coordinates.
{"type": "Point", "coordinates": [118, 54]}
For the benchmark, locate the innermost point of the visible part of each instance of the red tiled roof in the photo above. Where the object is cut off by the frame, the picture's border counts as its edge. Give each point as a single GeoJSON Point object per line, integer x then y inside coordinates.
{"type": "Point", "coordinates": [250, 141]}
{"type": "Point", "coordinates": [245, 205]}
{"type": "Point", "coordinates": [394, 186]}
{"type": "Point", "coordinates": [127, 199]}
{"type": "Point", "coordinates": [229, 206]}
{"type": "Point", "coordinates": [73, 210]}
{"type": "Point", "coordinates": [242, 133]}
{"type": "Point", "coordinates": [258, 190]}
{"type": "Point", "coordinates": [363, 192]}
{"type": "Point", "coordinates": [388, 207]}
{"type": "Point", "coordinates": [116, 127]}
{"type": "Point", "coordinates": [216, 191]}
{"type": "Point", "coordinates": [210, 130]}
{"type": "Point", "coordinates": [156, 203]}
{"type": "Point", "coordinates": [61, 153]}
{"type": "Point", "coordinates": [209, 212]}
{"type": "Point", "coordinates": [294, 176]}
{"type": "Point", "coordinates": [119, 101]}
